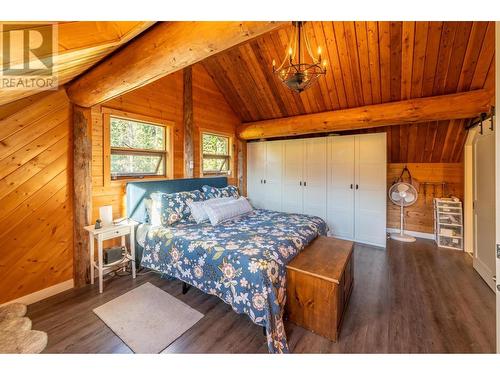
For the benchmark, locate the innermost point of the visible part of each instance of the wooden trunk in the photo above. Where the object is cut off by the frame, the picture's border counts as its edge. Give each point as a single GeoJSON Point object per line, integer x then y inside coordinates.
{"type": "Point", "coordinates": [319, 284]}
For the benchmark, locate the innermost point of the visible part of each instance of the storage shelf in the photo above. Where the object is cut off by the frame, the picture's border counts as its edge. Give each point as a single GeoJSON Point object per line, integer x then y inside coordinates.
{"type": "Point", "coordinates": [446, 236]}
{"type": "Point", "coordinates": [445, 207]}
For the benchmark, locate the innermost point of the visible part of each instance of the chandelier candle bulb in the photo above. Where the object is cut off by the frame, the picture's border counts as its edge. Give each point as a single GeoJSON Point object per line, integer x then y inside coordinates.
{"type": "Point", "coordinates": [302, 70]}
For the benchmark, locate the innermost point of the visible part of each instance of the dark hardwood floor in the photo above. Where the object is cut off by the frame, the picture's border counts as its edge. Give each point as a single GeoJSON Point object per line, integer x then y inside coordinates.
{"type": "Point", "coordinates": [408, 298]}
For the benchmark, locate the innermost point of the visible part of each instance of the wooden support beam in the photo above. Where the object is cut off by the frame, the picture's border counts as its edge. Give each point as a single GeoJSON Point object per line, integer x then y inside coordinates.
{"type": "Point", "coordinates": [241, 148]}
{"type": "Point", "coordinates": [82, 192]}
{"type": "Point", "coordinates": [188, 123]}
{"type": "Point", "coordinates": [446, 107]}
{"type": "Point", "coordinates": [163, 49]}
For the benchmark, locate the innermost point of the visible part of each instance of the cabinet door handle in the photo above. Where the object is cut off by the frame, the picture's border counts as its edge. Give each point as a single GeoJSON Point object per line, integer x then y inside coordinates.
{"type": "Point", "coordinates": [305, 183]}
{"type": "Point", "coordinates": [357, 186]}
{"type": "Point", "coordinates": [264, 181]}
{"type": "Point", "coordinates": [300, 183]}
{"type": "Point", "coordinates": [351, 186]}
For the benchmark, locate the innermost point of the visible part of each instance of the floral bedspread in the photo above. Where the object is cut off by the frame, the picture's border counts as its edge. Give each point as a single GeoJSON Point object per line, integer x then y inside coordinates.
{"type": "Point", "coordinates": [242, 261]}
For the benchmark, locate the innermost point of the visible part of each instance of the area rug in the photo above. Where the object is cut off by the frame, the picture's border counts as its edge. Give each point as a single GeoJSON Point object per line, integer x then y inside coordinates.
{"type": "Point", "coordinates": [148, 319]}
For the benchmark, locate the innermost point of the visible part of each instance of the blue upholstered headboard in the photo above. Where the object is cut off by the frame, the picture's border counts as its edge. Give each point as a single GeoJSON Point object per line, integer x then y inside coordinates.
{"type": "Point", "coordinates": [138, 191]}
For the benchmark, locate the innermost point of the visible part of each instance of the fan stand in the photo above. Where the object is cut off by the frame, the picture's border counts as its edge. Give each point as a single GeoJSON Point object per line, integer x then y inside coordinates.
{"type": "Point", "coordinates": [401, 236]}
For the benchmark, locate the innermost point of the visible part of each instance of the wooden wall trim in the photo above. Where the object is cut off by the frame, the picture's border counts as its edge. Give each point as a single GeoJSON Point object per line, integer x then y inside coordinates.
{"type": "Point", "coordinates": [444, 107]}
{"type": "Point", "coordinates": [188, 122]}
{"type": "Point", "coordinates": [82, 192]}
{"type": "Point", "coordinates": [163, 49]}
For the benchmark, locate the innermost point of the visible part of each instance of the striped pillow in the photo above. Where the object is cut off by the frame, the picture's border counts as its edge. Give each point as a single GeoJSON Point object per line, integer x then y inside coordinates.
{"type": "Point", "coordinates": [198, 212]}
{"type": "Point", "coordinates": [218, 213]}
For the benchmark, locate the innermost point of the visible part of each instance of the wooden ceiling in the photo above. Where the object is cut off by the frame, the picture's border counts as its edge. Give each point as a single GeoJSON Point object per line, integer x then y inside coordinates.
{"type": "Point", "coordinates": [369, 63]}
{"type": "Point", "coordinates": [81, 45]}
{"type": "Point", "coordinates": [426, 142]}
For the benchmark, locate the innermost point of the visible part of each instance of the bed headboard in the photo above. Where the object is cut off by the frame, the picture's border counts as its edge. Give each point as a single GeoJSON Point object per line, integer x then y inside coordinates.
{"type": "Point", "coordinates": [138, 191]}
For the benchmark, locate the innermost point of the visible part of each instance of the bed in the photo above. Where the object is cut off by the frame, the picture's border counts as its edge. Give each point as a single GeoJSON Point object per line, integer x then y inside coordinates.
{"type": "Point", "coordinates": [242, 261]}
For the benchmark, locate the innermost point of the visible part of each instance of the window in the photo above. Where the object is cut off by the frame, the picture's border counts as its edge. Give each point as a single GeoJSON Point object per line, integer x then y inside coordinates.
{"type": "Point", "coordinates": [137, 148]}
{"type": "Point", "coordinates": [216, 155]}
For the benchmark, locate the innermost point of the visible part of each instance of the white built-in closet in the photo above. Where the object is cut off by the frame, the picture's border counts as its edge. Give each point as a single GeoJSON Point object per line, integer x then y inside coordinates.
{"type": "Point", "coordinates": [341, 179]}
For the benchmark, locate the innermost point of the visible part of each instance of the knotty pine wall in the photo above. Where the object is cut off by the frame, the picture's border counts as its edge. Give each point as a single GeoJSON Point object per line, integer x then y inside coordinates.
{"type": "Point", "coordinates": [161, 99]}
{"type": "Point", "coordinates": [433, 152]}
{"type": "Point", "coordinates": [36, 212]}
{"type": "Point", "coordinates": [420, 216]}
{"type": "Point", "coordinates": [211, 112]}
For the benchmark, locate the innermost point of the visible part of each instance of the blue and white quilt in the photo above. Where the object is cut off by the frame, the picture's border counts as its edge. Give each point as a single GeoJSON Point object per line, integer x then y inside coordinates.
{"type": "Point", "coordinates": [242, 261]}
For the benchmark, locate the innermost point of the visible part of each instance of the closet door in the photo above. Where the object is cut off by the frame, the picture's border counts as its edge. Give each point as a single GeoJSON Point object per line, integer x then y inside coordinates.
{"type": "Point", "coordinates": [293, 161]}
{"type": "Point", "coordinates": [370, 188]}
{"type": "Point", "coordinates": [274, 176]}
{"type": "Point", "coordinates": [340, 186]}
{"type": "Point", "coordinates": [256, 156]}
{"type": "Point", "coordinates": [314, 177]}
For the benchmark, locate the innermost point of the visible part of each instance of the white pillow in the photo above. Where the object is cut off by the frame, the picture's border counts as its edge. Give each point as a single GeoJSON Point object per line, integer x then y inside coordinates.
{"type": "Point", "coordinates": [198, 211]}
{"type": "Point", "coordinates": [220, 212]}
{"type": "Point", "coordinates": [153, 211]}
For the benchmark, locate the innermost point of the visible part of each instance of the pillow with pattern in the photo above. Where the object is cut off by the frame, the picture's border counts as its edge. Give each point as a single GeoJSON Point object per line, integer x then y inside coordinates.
{"type": "Point", "coordinates": [173, 207]}
{"type": "Point", "coordinates": [214, 192]}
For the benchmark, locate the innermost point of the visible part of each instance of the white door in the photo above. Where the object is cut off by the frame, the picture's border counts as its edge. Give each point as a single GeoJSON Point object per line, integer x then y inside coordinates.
{"type": "Point", "coordinates": [497, 162]}
{"type": "Point", "coordinates": [314, 176]}
{"type": "Point", "coordinates": [370, 188]}
{"type": "Point", "coordinates": [255, 173]}
{"type": "Point", "coordinates": [274, 176]}
{"type": "Point", "coordinates": [293, 161]}
{"type": "Point", "coordinates": [340, 198]}
{"type": "Point", "coordinates": [484, 200]}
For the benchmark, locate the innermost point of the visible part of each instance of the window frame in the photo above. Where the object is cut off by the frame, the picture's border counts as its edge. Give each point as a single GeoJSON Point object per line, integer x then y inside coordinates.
{"type": "Point", "coordinates": [230, 137]}
{"type": "Point", "coordinates": [108, 150]}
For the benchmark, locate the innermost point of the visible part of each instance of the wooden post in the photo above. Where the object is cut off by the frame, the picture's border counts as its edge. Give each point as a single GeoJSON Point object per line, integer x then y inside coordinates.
{"type": "Point", "coordinates": [188, 123]}
{"type": "Point", "coordinates": [241, 149]}
{"type": "Point", "coordinates": [82, 192]}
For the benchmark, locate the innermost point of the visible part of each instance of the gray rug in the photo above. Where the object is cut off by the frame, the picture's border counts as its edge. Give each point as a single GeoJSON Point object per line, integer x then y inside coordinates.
{"type": "Point", "coordinates": [148, 319]}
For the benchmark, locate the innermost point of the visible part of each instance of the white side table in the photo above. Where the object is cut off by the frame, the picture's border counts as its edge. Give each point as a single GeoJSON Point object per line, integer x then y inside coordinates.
{"type": "Point", "coordinates": [106, 233]}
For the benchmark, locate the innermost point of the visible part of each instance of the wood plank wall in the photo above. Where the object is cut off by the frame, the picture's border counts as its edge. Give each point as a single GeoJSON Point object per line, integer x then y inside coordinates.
{"type": "Point", "coordinates": [36, 212]}
{"type": "Point", "coordinates": [419, 217]}
{"type": "Point", "coordinates": [162, 99]}
{"type": "Point", "coordinates": [211, 112]}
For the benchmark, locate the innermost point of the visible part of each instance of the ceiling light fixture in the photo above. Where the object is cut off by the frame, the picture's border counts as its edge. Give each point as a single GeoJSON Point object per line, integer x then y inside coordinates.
{"type": "Point", "coordinates": [296, 72]}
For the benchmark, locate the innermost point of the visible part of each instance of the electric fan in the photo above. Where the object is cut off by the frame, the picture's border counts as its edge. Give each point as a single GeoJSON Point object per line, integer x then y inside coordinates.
{"type": "Point", "coordinates": [404, 195]}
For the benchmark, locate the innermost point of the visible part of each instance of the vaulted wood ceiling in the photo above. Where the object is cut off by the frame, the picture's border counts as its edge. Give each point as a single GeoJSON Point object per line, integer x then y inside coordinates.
{"type": "Point", "coordinates": [369, 63]}
{"type": "Point", "coordinates": [81, 45]}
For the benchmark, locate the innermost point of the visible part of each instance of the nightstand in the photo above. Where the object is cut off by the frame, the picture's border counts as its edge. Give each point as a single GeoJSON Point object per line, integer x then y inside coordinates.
{"type": "Point", "coordinates": [121, 230]}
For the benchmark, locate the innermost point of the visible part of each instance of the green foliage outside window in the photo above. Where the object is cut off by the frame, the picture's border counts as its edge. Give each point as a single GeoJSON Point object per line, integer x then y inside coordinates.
{"type": "Point", "coordinates": [215, 153]}
{"type": "Point", "coordinates": [137, 148]}
{"type": "Point", "coordinates": [135, 134]}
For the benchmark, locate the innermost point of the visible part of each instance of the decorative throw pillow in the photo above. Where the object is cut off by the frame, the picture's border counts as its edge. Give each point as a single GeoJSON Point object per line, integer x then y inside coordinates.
{"type": "Point", "coordinates": [173, 207]}
{"type": "Point", "coordinates": [218, 213]}
{"type": "Point", "coordinates": [198, 211]}
{"type": "Point", "coordinates": [214, 192]}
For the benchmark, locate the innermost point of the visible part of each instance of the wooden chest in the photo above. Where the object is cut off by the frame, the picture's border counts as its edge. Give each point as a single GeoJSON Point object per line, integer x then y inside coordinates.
{"type": "Point", "coordinates": [319, 284]}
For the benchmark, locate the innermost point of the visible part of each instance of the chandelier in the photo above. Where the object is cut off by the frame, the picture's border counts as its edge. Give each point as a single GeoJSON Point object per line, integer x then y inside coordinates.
{"type": "Point", "coordinates": [296, 72]}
